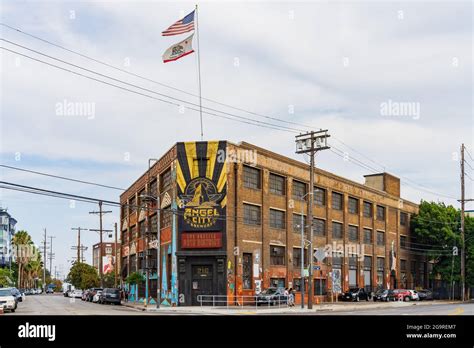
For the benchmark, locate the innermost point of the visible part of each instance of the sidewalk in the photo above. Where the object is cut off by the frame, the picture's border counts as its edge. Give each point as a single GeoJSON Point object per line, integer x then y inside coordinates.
{"type": "Point", "coordinates": [325, 307]}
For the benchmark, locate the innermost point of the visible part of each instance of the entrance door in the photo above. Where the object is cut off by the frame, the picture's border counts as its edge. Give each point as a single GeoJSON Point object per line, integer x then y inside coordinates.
{"type": "Point", "coordinates": [201, 284]}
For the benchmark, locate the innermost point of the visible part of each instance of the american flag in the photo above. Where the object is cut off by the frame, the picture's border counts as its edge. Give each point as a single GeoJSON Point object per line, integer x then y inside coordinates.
{"type": "Point", "coordinates": [182, 26]}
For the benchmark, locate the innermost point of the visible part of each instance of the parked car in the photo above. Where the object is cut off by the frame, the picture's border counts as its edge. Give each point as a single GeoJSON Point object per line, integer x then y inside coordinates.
{"type": "Point", "coordinates": [355, 294]}
{"type": "Point", "coordinates": [414, 295]}
{"type": "Point", "coordinates": [272, 296]}
{"type": "Point", "coordinates": [91, 293]}
{"type": "Point", "coordinates": [110, 295]}
{"type": "Point", "coordinates": [16, 294]}
{"type": "Point", "coordinates": [400, 295]}
{"type": "Point", "coordinates": [76, 294]}
{"type": "Point", "coordinates": [50, 290]}
{"type": "Point", "coordinates": [381, 295]}
{"type": "Point", "coordinates": [96, 297]}
{"type": "Point", "coordinates": [7, 300]}
{"type": "Point", "coordinates": [84, 294]}
{"type": "Point", "coordinates": [425, 295]}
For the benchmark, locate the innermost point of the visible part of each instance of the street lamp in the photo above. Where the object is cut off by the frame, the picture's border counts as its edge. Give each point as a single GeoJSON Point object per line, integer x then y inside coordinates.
{"type": "Point", "coordinates": [147, 197]}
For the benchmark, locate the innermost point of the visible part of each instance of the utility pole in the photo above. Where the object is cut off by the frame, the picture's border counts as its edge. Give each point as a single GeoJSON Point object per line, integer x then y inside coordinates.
{"type": "Point", "coordinates": [310, 143]}
{"type": "Point", "coordinates": [44, 259]}
{"type": "Point", "coordinates": [100, 213]}
{"type": "Point", "coordinates": [116, 257]}
{"type": "Point", "coordinates": [51, 255]}
{"type": "Point", "coordinates": [463, 265]}
{"type": "Point", "coordinates": [79, 246]}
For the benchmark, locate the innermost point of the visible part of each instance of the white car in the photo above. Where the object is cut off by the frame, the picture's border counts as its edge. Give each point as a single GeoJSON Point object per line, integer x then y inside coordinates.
{"type": "Point", "coordinates": [414, 295]}
{"type": "Point", "coordinates": [76, 294]}
{"type": "Point", "coordinates": [96, 297]}
{"type": "Point", "coordinates": [7, 300]}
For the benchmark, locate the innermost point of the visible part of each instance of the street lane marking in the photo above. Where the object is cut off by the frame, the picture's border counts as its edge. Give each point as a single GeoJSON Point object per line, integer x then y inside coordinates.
{"type": "Point", "coordinates": [457, 311]}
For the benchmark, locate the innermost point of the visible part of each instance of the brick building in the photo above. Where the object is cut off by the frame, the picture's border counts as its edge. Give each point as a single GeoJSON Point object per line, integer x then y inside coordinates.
{"type": "Point", "coordinates": [108, 256]}
{"type": "Point", "coordinates": [230, 220]}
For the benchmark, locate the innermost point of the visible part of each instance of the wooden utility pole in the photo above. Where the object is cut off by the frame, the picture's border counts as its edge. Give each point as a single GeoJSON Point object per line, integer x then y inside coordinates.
{"type": "Point", "coordinates": [310, 143]}
{"type": "Point", "coordinates": [79, 246]}
{"type": "Point", "coordinates": [100, 213]}
{"type": "Point", "coordinates": [116, 257]}
{"type": "Point", "coordinates": [463, 266]}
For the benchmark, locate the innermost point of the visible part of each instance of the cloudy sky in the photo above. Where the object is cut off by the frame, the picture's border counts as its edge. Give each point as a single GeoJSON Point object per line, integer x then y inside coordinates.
{"type": "Point", "coordinates": [320, 64]}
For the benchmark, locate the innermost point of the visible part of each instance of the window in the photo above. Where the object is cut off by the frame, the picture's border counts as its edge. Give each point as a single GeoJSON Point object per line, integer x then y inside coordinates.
{"type": "Point", "coordinates": [277, 255]}
{"type": "Point", "coordinates": [251, 177]}
{"type": "Point", "coordinates": [132, 205]}
{"type": "Point", "coordinates": [353, 205]}
{"type": "Point", "coordinates": [380, 238]}
{"type": "Point", "coordinates": [403, 242]}
{"type": "Point", "coordinates": [353, 272]}
{"type": "Point", "coordinates": [142, 228]}
{"type": "Point", "coordinates": [403, 219]}
{"type": "Point", "coordinates": [297, 284]}
{"type": "Point", "coordinates": [380, 213]}
{"type": "Point", "coordinates": [247, 270]}
{"type": "Point", "coordinates": [319, 196]}
{"type": "Point", "coordinates": [353, 233]}
{"type": "Point", "coordinates": [153, 224]}
{"type": "Point", "coordinates": [297, 257]}
{"type": "Point", "coordinates": [277, 219]}
{"type": "Point", "coordinates": [319, 227]}
{"type": "Point", "coordinates": [133, 233]}
{"type": "Point", "coordinates": [125, 237]}
{"type": "Point", "coordinates": [277, 282]}
{"type": "Point", "coordinates": [165, 181]}
{"type": "Point", "coordinates": [336, 262]}
{"type": "Point", "coordinates": [367, 209]}
{"type": "Point", "coordinates": [367, 262]}
{"type": "Point", "coordinates": [252, 214]}
{"type": "Point", "coordinates": [320, 287]}
{"type": "Point", "coordinates": [403, 265]}
{"type": "Point", "coordinates": [336, 201]}
{"type": "Point", "coordinates": [336, 230]}
{"type": "Point", "coordinates": [380, 263]}
{"type": "Point", "coordinates": [298, 190]}
{"type": "Point", "coordinates": [367, 236]}
{"type": "Point", "coordinates": [166, 217]}
{"type": "Point", "coordinates": [277, 184]}
{"type": "Point", "coordinates": [297, 223]}
{"type": "Point", "coordinates": [108, 250]}
{"type": "Point", "coordinates": [153, 188]}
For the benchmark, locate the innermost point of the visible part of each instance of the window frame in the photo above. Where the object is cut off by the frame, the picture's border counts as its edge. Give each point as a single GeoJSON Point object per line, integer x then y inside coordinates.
{"type": "Point", "coordinates": [272, 184]}
{"type": "Point", "coordinates": [277, 259]}
{"type": "Point", "coordinates": [248, 219]}
{"type": "Point", "coordinates": [349, 208]}
{"type": "Point", "coordinates": [273, 222]}
{"type": "Point", "coordinates": [340, 207]}
{"type": "Point", "coordinates": [249, 174]}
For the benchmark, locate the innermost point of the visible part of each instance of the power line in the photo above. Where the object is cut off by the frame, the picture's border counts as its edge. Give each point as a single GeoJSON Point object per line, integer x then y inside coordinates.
{"type": "Point", "coordinates": [233, 116]}
{"type": "Point", "coordinates": [143, 94]}
{"type": "Point", "coordinates": [468, 153]}
{"type": "Point", "coordinates": [61, 177]}
{"type": "Point", "coordinates": [142, 88]}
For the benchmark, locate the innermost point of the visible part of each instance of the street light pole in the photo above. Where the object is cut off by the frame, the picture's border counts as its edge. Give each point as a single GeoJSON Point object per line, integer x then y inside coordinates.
{"type": "Point", "coordinates": [302, 282]}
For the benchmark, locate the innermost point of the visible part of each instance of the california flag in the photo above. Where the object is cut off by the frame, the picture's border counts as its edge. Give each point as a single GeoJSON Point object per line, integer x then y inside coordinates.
{"type": "Point", "coordinates": [179, 50]}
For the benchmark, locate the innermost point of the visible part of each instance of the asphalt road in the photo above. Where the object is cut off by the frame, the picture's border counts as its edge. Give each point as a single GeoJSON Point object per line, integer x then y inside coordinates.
{"type": "Point", "coordinates": [57, 304]}
{"type": "Point", "coordinates": [60, 305]}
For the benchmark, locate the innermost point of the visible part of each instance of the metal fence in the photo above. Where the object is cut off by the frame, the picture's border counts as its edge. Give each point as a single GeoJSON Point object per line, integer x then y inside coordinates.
{"type": "Point", "coordinates": [271, 301]}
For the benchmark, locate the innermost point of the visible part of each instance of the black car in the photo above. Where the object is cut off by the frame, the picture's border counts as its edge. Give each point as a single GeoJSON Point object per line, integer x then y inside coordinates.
{"type": "Point", "coordinates": [272, 296]}
{"type": "Point", "coordinates": [425, 295]}
{"type": "Point", "coordinates": [110, 295]}
{"type": "Point", "coordinates": [381, 295]}
{"type": "Point", "coordinates": [355, 294]}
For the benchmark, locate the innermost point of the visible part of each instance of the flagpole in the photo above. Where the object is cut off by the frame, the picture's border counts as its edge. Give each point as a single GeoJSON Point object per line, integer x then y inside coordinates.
{"type": "Point", "coordinates": [199, 72]}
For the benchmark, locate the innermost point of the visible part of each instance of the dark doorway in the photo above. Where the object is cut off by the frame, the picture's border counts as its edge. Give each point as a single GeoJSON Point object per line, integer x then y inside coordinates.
{"type": "Point", "coordinates": [202, 283]}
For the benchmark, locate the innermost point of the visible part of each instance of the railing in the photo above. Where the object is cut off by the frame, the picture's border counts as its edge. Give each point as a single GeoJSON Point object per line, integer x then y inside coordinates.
{"type": "Point", "coordinates": [243, 302]}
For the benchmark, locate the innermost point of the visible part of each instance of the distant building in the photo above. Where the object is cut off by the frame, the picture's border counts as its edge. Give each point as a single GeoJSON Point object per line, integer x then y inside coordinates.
{"type": "Point", "coordinates": [108, 256]}
{"type": "Point", "coordinates": [7, 230]}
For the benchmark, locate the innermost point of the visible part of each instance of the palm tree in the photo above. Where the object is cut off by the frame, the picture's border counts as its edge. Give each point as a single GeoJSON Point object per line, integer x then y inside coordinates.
{"type": "Point", "coordinates": [19, 241]}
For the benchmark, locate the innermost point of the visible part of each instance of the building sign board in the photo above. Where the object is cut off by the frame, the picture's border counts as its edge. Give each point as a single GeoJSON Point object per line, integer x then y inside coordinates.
{"type": "Point", "coordinates": [205, 240]}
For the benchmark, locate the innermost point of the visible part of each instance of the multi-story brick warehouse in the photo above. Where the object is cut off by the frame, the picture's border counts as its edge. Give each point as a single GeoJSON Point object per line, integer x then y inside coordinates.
{"type": "Point", "coordinates": [230, 219]}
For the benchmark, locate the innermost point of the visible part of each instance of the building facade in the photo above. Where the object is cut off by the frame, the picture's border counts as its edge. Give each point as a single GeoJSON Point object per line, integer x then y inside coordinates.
{"type": "Point", "coordinates": [109, 257]}
{"type": "Point", "coordinates": [7, 231]}
{"type": "Point", "coordinates": [231, 217]}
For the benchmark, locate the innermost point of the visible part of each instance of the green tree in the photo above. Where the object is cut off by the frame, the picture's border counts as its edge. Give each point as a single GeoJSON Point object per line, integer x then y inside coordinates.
{"type": "Point", "coordinates": [109, 280]}
{"type": "Point", "coordinates": [135, 278]}
{"type": "Point", "coordinates": [436, 228]}
{"type": "Point", "coordinates": [6, 277]}
{"type": "Point", "coordinates": [83, 276]}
